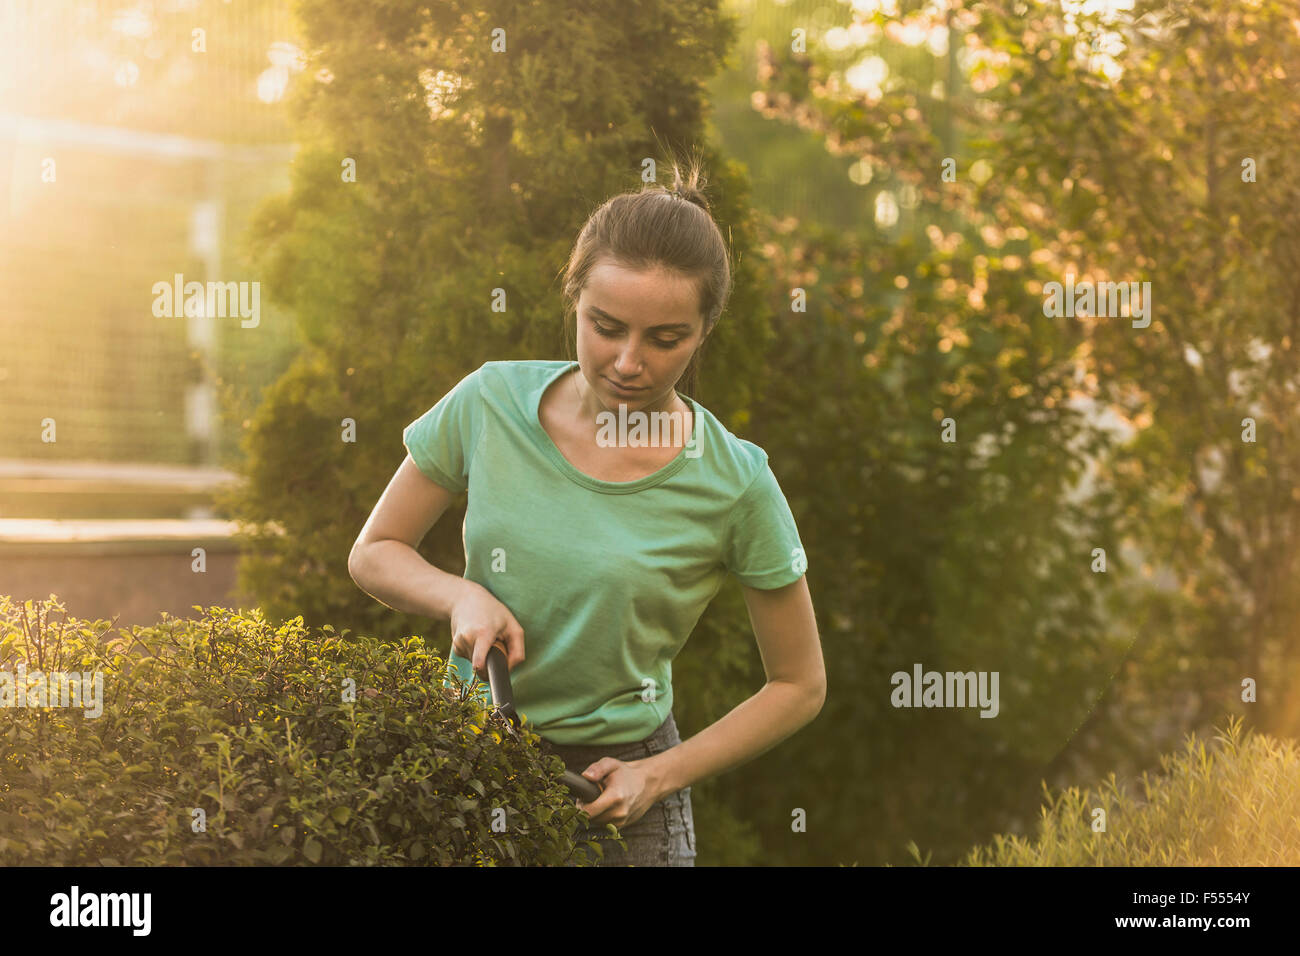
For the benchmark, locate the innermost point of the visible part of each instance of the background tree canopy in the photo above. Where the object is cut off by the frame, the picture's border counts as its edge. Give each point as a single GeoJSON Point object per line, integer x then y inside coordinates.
{"type": "Point", "coordinates": [1010, 145]}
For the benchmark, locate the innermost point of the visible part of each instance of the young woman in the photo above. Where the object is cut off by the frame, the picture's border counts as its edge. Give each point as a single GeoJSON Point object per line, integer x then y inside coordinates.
{"type": "Point", "coordinates": [605, 511]}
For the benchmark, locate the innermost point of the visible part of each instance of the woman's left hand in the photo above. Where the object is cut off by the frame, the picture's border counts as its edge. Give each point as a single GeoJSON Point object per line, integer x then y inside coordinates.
{"type": "Point", "coordinates": [631, 788]}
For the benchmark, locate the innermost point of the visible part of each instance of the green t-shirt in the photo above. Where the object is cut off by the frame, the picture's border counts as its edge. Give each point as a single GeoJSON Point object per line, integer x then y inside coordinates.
{"type": "Point", "coordinates": [607, 579]}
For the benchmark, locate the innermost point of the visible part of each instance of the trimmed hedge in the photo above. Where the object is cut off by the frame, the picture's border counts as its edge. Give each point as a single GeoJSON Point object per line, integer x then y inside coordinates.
{"type": "Point", "coordinates": [227, 741]}
{"type": "Point", "coordinates": [1235, 805]}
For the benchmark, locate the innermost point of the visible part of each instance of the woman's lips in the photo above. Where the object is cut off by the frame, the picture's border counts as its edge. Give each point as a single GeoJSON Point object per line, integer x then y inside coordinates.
{"type": "Point", "coordinates": [623, 388]}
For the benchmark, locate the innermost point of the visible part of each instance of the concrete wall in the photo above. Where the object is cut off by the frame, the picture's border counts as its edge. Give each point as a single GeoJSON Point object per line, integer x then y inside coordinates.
{"type": "Point", "coordinates": [129, 570]}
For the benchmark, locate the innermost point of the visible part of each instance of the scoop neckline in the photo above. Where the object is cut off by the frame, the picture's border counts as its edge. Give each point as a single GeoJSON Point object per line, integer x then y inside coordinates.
{"type": "Point", "coordinates": [609, 487]}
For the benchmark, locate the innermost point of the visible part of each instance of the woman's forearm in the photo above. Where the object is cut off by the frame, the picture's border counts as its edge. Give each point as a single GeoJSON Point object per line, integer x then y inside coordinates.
{"type": "Point", "coordinates": [393, 573]}
{"type": "Point", "coordinates": [752, 728]}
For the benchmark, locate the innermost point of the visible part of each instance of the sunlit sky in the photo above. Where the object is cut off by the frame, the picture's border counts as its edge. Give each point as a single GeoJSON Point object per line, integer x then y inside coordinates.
{"type": "Point", "coordinates": [98, 23]}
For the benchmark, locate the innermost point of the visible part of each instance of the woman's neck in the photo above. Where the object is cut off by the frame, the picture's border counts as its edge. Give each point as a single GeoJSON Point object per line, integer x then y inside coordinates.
{"type": "Point", "coordinates": [588, 407]}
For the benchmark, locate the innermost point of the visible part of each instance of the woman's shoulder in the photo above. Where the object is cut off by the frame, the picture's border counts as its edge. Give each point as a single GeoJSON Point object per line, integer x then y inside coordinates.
{"type": "Point", "coordinates": [517, 376]}
{"type": "Point", "coordinates": [731, 456]}
{"type": "Point", "coordinates": [521, 368]}
{"type": "Point", "coordinates": [525, 366]}
{"type": "Point", "coordinates": [514, 373]}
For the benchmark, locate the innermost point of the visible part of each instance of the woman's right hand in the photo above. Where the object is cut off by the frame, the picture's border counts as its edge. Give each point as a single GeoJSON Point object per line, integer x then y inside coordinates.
{"type": "Point", "coordinates": [478, 620]}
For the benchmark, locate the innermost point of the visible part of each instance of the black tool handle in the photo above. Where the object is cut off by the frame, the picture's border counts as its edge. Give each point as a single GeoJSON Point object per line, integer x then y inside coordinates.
{"type": "Point", "coordinates": [498, 668]}
{"type": "Point", "coordinates": [585, 790]}
{"type": "Point", "coordinates": [503, 697]}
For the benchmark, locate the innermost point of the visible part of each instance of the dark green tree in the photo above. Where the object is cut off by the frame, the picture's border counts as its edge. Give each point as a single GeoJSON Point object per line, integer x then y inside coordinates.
{"type": "Point", "coordinates": [1172, 170]}
{"type": "Point", "coordinates": [1078, 147]}
{"type": "Point", "coordinates": [482, 135]}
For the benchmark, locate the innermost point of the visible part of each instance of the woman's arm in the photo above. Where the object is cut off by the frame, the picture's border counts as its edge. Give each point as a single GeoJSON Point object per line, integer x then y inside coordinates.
{"type": "Point", "coordinates": [384, 562]}
{"type": "Point", "coordinates": [786, 631]}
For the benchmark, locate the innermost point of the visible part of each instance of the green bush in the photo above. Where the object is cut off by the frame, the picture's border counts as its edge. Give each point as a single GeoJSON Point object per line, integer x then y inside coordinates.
{"type": "Point", "coordinates": [385, 279]}
{"type": "Point", "coordinates": [1237, 805]}
{"type": "Point", "coordinates": [252, 724]}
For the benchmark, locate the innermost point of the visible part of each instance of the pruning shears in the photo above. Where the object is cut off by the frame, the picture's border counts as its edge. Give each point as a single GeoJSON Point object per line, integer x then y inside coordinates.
{"type": "Point", "coordinates": [503, 700]}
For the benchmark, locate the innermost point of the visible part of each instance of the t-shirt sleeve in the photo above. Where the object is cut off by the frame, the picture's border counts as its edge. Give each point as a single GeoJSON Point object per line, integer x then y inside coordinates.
{"type": "Point", "coordinates": [763, 548]}
{"type": "Point", "coordinates": [442, 440]}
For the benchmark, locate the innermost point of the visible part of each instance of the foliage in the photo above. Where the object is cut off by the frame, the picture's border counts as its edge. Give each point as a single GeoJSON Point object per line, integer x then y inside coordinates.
{"type": "Point", "coordinates": [1234, 805]}
{"type": "Point", "coordinates": [973, 555]}
{"type": "Point", "coordinates": [1165, 165]}
{"type": "Point", "coordinates": [254, 726]}
{"type": "Point", "coordinates": [475, 171]}
{"type": "Point", "coordinates": [1072, 434]}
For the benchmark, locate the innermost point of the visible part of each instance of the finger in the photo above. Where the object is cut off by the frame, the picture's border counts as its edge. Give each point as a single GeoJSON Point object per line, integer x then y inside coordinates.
{"type": "Point", "coordinates": [481, 646]}
{"type": "Point", "coordinates": [599, 808]}
{"type": "Point", "coordinates": [514, 641]}
{"type": "Point", "coordinates": [595, 773]}
{"type": "Point", "coordinates": [463, 648]}
{"type": "Point", "coordinates": [601, 769]}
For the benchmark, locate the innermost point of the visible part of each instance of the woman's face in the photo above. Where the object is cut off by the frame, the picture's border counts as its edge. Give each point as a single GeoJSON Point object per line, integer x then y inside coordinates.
{"type": "Point", "coordinates": [637, 329]}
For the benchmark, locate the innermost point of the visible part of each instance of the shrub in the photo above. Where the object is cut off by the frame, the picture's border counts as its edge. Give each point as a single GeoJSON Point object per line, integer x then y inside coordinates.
{"type": "Point", "coordinates": [385, 279]}
{"type": "Point", "coordinates": [254, 726]}
{"type": "Point", "coordinates": [1237, 805]}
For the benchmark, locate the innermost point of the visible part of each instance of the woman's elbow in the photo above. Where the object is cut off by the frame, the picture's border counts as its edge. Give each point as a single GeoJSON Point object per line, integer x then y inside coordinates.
{"type": "Point", "coordinates": [355, 564]}
{"type": "Point", "coordinates": [817, 696]}
{"type": "Point", "coordinates": [812, 695]}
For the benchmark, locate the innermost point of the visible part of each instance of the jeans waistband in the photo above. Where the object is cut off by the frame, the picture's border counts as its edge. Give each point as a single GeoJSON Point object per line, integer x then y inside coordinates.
{"type": "Point", "coordinates": [664, 737]}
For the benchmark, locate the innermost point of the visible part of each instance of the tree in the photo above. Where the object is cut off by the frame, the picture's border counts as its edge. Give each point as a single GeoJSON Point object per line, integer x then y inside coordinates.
{"type": "Point", "coordinates": [932, 552]}
{"type": "Point", "coordinates": [1172, 173]}
{"type": "Point", "coordinates": [480, 138]}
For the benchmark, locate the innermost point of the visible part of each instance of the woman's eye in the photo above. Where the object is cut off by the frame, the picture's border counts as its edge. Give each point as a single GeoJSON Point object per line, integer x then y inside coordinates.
{"type": "Point", "coordinates": [611, 333]}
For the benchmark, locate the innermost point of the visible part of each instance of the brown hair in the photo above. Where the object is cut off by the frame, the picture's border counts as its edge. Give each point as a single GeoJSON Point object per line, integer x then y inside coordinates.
{"type": "Point", "coordinates": [653, 227]}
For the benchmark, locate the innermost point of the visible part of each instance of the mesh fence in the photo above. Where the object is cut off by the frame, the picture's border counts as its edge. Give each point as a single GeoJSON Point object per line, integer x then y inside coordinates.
{"type": "Point", "coordinates": [129, 155]}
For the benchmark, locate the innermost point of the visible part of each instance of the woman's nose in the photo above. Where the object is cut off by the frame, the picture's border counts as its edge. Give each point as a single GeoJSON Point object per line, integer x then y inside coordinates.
{"type": "Point", "coordinates": [629, 362]}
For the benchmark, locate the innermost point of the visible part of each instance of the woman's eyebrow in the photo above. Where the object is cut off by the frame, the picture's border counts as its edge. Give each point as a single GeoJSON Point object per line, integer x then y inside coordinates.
{"type": "Point", "coordinates": [670, 326]}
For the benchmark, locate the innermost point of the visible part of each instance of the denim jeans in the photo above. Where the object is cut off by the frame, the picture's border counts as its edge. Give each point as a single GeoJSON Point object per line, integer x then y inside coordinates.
{"type": "Point", "coordinates": [665, 834]}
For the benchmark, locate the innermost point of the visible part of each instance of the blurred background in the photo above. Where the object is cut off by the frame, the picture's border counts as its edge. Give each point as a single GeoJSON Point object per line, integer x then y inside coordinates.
{"type": "Point", "coordinates": [159, 154]}
{"type": "Point", "coordinates": [1101, 512]}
